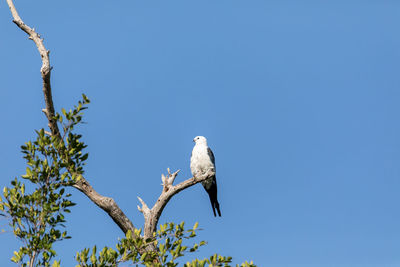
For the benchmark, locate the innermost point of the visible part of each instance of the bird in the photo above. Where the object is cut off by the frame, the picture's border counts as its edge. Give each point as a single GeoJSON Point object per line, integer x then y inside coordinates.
{"type": "Point", "coordinates": [201, 161]}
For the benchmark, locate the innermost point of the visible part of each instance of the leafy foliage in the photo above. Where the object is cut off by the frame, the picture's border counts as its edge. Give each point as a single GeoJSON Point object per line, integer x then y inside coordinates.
{"type": "Point", "coordinates": [54, 163]}
{"type": "Point", "coordinates": [168, 242]}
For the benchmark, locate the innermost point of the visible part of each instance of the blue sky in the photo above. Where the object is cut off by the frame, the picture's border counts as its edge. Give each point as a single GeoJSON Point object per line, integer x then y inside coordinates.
{"type": "Point", "coordinates": [299, 101]}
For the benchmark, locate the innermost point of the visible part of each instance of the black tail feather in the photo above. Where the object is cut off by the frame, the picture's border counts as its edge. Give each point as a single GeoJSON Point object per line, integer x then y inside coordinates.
{"type": "Point", "coordinates": [212, 193]}
{"type": "Point", "coordinates": [216, 204]}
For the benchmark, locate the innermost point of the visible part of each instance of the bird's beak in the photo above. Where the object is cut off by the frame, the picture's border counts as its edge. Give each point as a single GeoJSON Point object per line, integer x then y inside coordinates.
{"type": "Point", "coordinates": [193, 140]}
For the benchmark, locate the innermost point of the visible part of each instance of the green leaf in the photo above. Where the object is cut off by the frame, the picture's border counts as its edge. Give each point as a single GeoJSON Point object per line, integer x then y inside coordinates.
{"type": "Point", "coordinates": [16, 258]}
{"type": "Point", "coordinates": [85, 99]}
{"type": "Point", "coordinates": [143, 257]}
{"type": "Point", "coordinates": [84, 157]}
{"type": "Point", "coordinates": [93, 258]}
{"type": "Point", "coordinates": [28, 171]}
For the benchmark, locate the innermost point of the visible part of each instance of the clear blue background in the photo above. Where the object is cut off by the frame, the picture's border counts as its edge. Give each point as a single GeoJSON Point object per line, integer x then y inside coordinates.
{"type": "Point", "coordinates": [300, 101]}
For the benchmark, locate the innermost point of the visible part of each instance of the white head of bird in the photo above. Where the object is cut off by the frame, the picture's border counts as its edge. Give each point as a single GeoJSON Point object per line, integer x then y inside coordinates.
{"type": "Point", "coordinates": [200, 140]}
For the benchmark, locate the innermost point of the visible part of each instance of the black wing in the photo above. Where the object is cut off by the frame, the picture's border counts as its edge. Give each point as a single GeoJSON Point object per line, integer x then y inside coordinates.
{"type": "Point", "coordinates": [211, 155]}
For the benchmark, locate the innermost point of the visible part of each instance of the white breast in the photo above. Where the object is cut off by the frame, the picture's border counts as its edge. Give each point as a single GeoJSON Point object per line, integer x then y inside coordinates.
{"type": "Point", "coordinates": [200, 161]}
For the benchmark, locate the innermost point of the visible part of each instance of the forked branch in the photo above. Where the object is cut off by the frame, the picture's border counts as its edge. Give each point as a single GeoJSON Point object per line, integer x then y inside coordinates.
{"type": "Point", "coordinates": [152, 216]}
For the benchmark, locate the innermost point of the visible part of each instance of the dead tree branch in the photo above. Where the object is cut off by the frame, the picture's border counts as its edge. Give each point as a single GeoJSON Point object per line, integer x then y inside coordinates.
{"type": "Point", "coordinates": [105, 203]}
{"type": "Point", "coordinates": [45, 70]}
{"type": "Point", "coordinates": [152, 216]}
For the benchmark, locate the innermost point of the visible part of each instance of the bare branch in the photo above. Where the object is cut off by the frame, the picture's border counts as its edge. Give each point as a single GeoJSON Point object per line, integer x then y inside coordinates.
{"type": "Point", "coordinates": [169, 190]}
{"type": "Point", "coordinates": [144, 209]}
{"type": "Point", "coordinates": [105, 203]}
{"type": "Point", "coordinates": [33, 259]}
{"type": "Point", "coordinates": [169, 180]}
{"type": "Point", "coordinates": [45, 70]}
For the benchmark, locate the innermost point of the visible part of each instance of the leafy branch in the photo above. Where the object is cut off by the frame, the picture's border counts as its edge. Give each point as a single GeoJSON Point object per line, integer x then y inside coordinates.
{"type": "Point", "coordinates": [37, 218]}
